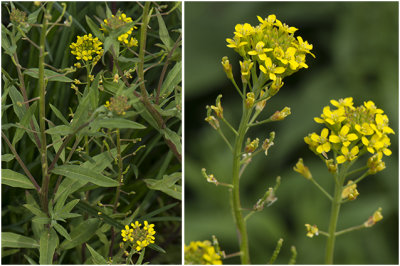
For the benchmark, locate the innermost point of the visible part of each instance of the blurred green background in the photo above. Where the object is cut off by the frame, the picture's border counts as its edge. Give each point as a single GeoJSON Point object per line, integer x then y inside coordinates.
{"type": "Point", "coordinates": [356, 48]}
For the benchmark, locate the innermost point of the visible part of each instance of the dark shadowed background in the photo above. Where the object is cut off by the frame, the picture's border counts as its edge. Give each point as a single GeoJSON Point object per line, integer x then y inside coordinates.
{"type": "Point", "coordinates": [356, 48]}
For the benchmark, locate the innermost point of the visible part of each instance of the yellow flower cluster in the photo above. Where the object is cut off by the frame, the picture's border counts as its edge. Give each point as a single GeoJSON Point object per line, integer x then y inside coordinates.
{"type": "Point", "coordinates": [352, 131]}
{"type": "Point", "coordinates": [87, 48]}
{"type": "Point", "coordinates": [119, 20]}
{"type": "Point", "coordinates": [139, 237]}
{"type": "Point", "coordinates": [201, 253]}
{"type": "Point", "coordinates": [271, 45]}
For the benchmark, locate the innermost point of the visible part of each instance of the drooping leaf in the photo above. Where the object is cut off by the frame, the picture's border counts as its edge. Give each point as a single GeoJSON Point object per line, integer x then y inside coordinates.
{"type": "Point", "coordinates": [48, 244]}
{"type": "Point", "coordinates": [157, 248]}
{"type": "Point", "coordinates": [12, 240]}
{"type": "Point", "coordinates": [15, 179]}
{"type": "Point", "coordinates": [80, 173]}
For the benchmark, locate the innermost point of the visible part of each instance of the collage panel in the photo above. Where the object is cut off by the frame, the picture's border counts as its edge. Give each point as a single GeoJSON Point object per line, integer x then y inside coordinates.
{"type": "Point", "coordinates": [291, 101]}
{"type": "Point", "coordinates": [91, 133]}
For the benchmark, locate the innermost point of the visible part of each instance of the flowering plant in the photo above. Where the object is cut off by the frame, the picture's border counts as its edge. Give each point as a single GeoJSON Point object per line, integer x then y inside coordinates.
{"type": "Point", "coordinates": [350, 133]}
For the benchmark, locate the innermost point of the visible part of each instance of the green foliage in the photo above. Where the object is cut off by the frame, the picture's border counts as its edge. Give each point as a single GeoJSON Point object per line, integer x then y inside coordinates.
{"type": "Point", "coordinates": [80, 141]}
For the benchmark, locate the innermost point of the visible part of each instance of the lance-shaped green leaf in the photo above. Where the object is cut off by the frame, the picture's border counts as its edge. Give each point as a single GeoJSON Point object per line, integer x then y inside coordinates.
{"type": "Point", "coordinates": [24, 122]}
{"type": "Point", "coordinates": [82, 233]}
{"type": "Point", "coordinates": [167, 185]}
{"type": "Point", "coordinates": [14, 179]}
{"type": "Point", "coordinates": [48, 244]}
{"type": "Point", "coordinates": [61, 230]}
{"type": "Point", "coordinates": [60, 130]}
{"type": "Point", "coordinates": [58, 114]}
{"type": "Point", "coordinates": [173, 78]}
{"type": "Point", "coordinates": [163, 32]}
{"type": "Point", "coordinates": [50, 75]}
{"type": "Point", "coordinates": [94, 28]}
{"type": "Point", "coordinates": [77, 172]}
{"type": "Point", "coordinates": [7, 157]}
{"type": "Point", "coordinates": [12, 240]}
{"type": "Point", "coordinates": [116, 123]}
{"type": "Point", "coordinates": [173, 137]}
{"type": "Point", "coordinates": [96, 257]}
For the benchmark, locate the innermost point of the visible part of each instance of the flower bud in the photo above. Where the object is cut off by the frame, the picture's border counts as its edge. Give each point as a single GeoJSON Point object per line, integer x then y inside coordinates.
{"type": "Point", "coordinates": [227, 67]}
{"type": "Point", "coordinates": [375, 164]}
{"type": "Point", "coordinates": [250, 98]}
{"type": "Point", "coordinates": [275, 86]}
{"type": "Point", "coordinates": [302, 169]}
{"type": "Point", "coordinates": [280, 115]}
{"type": "Point", "coordinates": [376, 217]}
{"type": "Point", "coordinates": [245, 68]}
{"type": "Point", "coordinates": [332, 167]}
{"type": "Point", "coordinates": [261, 104]}
{"type": "Point", "coordinates": [268, 142]}
{"type": "Point", "coordinates": [251, 146]}
{"type": "Point", "coordinates": [350, 191]}
{"type": "Point", "coordinates": [219, 111]}
{"type": "Point", "coordinates": [212, 121]}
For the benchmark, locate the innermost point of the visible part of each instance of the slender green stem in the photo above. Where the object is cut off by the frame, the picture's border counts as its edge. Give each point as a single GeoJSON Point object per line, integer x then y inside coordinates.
{"type": "Point", "coordinates": [237, 88]}
{"type": "Point", "coordinates": [357, 170]}
{"type": "Point", "coordinates": [236, 205]}
{"type": "Point", "coordinates": [261, 122]}
{"type": "Point", "coordinates": [229, 125]}
{"type": "Point", "coordinates": [335, 209]}
{"type": "Point", "coordinates": [322, 189]}
{"type": "Point", "coordinates": [42, 111]}
{"type": "Point", "coordinates": [353, 228]}
{"type": "Point", "coordinates": [224, 138]}
{"type": "Point", "coordinates": [361, 177]}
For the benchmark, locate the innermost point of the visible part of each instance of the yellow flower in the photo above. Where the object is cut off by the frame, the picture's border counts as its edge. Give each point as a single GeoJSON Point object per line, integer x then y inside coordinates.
{"type": "Point", "coordinates": [312, 230]}
{"type": "Point", "coordinates": [285, 27]}
{"type": "Point", "coordinates": [245, 68]}
{"type": "Point", "coordinates": [270, 69]}
{"type": "Point", "coordinates": [250, 99]}
{"type": "Point", "coordinates": [302, 169]}
{"type": "Point", "coordinates": [227, 67]}
{"type": "Point", "coordinates": [364, 129]}
{"type": "Point", "coordinates": [331, 117]}
{"type": "Point", "coordinates": [322, 142]}
{"type": "Point", "coordinates": [235, 42]}
{"type": "Point", "coordinates": [347, 155]}
{"type": "Point", "coordinates": [201, 253]}
{"type": "Point", "coordinates": [304, 46]}
{"type": "Point", "coordinates": [139, 237]}
{"type": "Point", "coordinates": [259, 49]}
{"type": "Point", "coordinates": [343, 136]}
{"type": "Point", "coordinates": [346, 102]}
{"type": "Point", "coordinates": [87, 48]}
{"type": "Point", "coordinates": [243, 30]}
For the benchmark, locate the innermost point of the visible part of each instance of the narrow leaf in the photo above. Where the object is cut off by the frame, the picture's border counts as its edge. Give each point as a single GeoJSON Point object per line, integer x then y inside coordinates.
{"type": "Point", "coordinates": [167, 185]}
{"type": "Point", "coordinates": [12, 240]}
{"type": "Point", "coordinates": [96, 257]}
{"type": "Point", "coordinates": [94, 28]}
{"type": "Point", "coordinates": [14, 179]}
{"type": "Point", "coordinates": [59, 114]}
{"type": "Point", "coordinates": [50, 75]}
{"type": "Point", "coordinates": [61, 230]}
{"type": "Point", "coordinates": [157, 248]}
{"type": "Point", "coordinates": [48, 244]}
{"type": "Point", "coordinates": [163, 32]}
{"type": "Point", "coordinates": [116, 123]}
{"type": "Point", "coordinates": [60, 130]}
{"type": "Point", "coordinates": [24, 122]}
{"type": "Point", "coordinates": [173, 78]}
{"type": "Point", "coordinates": [77, 172]}
{"type": "Point", "coordinates": [34, 210]}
